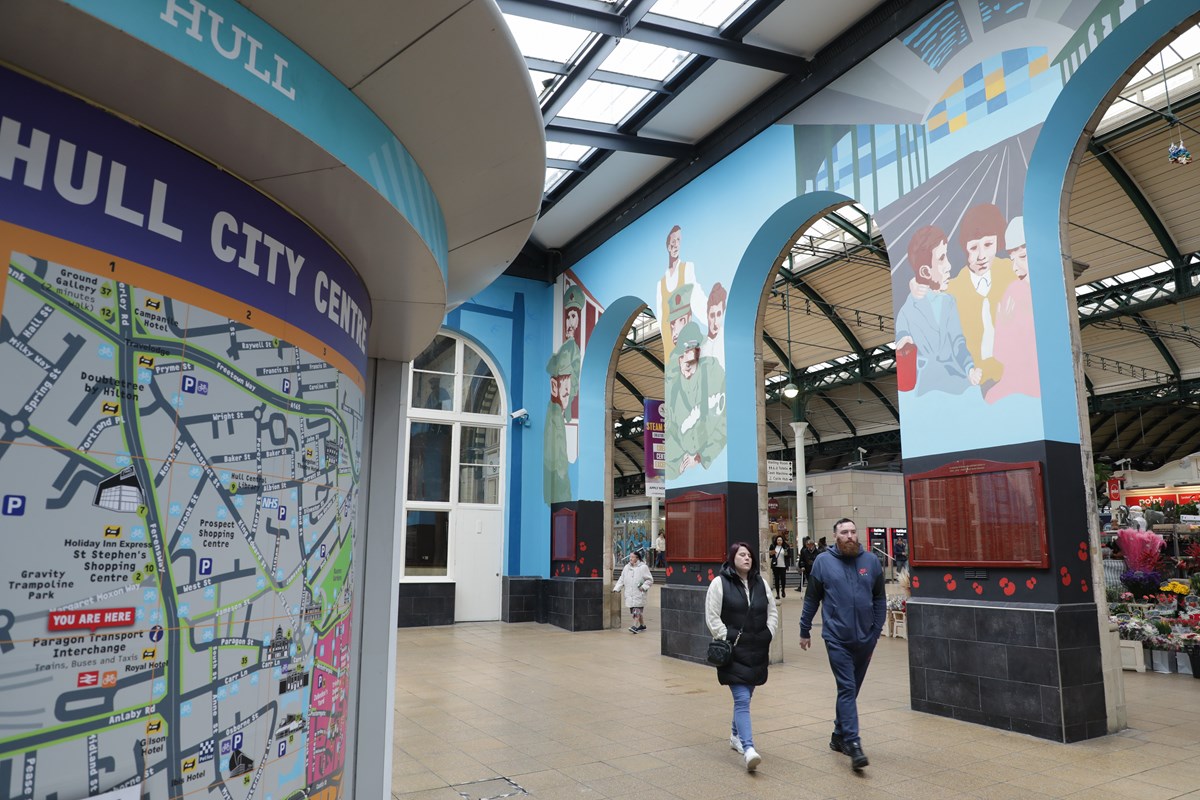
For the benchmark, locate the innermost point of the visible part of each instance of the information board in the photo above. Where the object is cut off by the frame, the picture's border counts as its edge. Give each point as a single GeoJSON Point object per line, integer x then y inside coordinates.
{"type": "Point", "coordinates": [180, 443]}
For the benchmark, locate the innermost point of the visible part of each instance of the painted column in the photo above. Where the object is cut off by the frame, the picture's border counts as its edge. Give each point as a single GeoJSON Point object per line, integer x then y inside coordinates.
{"type": "Point", "coordinates": [798, 428]}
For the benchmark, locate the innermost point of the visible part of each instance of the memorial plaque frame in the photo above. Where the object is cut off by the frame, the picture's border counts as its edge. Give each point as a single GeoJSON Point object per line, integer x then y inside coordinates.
{"type": "Point", "coordinates": [696, 526]}
{"type": "Point", "coordinates": [562, 535]}
{"type": "Point", "coordinates": [1001, 520]}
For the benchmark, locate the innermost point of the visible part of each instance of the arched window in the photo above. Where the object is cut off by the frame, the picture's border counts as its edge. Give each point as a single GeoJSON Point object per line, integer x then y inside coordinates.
{"type": "Point", "coordinates": [456, 437]}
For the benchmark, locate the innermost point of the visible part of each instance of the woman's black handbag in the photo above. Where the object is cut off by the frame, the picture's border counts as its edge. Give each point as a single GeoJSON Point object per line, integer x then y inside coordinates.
{"type": "Point", "coordinates": [720, 651]}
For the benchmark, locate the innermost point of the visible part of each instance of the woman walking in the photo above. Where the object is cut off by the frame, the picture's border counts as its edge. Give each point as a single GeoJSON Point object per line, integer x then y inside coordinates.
{"type": "Point", "coordinates": [781, 562]}
{"type": "Point", "coordinates": [636, 580]}
{"type": "Point", "coordinates": [739, 607]}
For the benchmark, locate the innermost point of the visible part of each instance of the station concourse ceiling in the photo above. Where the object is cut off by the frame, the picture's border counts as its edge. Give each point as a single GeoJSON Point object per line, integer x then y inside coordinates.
{"type": "Point", "coordinates": [1133, 224]}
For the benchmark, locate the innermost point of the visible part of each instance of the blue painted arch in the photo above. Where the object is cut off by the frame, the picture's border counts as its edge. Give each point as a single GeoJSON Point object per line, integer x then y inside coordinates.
{"type": "Point", "coordinates": [741, 323]}
{"type": "Point", "coordinates": [594, 434]}
{"type": "Point", "coordinates": [1051, 172]}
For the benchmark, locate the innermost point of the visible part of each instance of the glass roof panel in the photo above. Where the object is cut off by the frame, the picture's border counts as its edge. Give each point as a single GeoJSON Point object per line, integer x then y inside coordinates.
{"type": "Point", "coordinates": [1146, 87]}
{"type": "Point", "coordinates": [553, 176]}
{"type": "Point", "coordinates": [567, 152]}
{"type": "Point", "coordinates": [644, 60]}
{"type": "Point", "coordinates": [545, 39]}
{"type": "Point", "coordinates": [714, 13]}
{"type": "Point", "coordinates": [597, 101]}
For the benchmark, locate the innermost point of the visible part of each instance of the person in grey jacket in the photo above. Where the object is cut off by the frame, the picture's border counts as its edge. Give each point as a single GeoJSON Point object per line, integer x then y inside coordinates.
{"type": "Point", "coordinates": [849, 581]}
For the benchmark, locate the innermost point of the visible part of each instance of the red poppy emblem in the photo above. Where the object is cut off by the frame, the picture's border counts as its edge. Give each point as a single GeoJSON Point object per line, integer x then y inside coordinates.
{"type": "Point", "coordinates": [862, 571]}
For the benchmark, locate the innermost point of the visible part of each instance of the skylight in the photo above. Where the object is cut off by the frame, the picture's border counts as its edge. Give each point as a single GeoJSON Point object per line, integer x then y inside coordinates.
{"type": "Point", "coordinates": [567, 152]}
{"type": "Point", "coordinates": [546, 40]}
{"type": "Point", "coordinates": [1179, 61]}
{"type": "Point", "coordinates": [713, 13]}
{"type": "Point", "coordinates": [644, 60]}
{"type": "Point", "coordinates": [597, 101]}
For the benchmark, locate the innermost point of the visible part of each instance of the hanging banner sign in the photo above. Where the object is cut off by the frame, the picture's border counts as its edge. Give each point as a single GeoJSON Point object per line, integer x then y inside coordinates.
{"type": "Point", "coordinates": [1114, 489]}
{"type": "Point", "coordinates": [655, 444]}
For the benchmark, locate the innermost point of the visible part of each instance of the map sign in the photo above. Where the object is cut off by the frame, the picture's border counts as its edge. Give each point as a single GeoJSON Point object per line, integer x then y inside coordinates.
{"type": "Point", "coordinates": [180, 484]}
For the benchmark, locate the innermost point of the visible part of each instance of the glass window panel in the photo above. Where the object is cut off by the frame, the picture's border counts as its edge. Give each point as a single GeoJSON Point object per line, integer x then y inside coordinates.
{"type": "Point", "coordinates": [545, 39]}
{"type": "Point", "coordinates": [433, 391]}
{"type": "Point", "coordinates": [429, 462]}
{"type": "Point", "coordinates": [473, 364]}
{"type": "Point", "coordinates": [553, 177]}
{"type": "Point", "coordinates": [567, 152]}
{"type": "Point", "coordinates": [479, 485]}
{"type": "Point", "coordinates": [644, 60]}
{"type": "Point", "coordinates": [714, 13]}
{"type": "Point", "coordinates": [482, 396]}
{"type": "Point", "coordinates": [597, 101]}
{"type": "Point", "coordinates": [438, 357]}
{"type": "Point", "coordinates": [479, 445]}
{"type": "Point", "coordinates": [426, 543]}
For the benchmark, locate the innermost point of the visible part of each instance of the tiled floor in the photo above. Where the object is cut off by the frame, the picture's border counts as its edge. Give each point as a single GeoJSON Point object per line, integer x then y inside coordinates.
{"type": "Point", "coordinates": [604, 715]}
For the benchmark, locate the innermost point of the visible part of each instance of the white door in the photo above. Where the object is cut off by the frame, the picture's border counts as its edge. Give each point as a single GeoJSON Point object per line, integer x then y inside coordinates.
{"type": "Point", "coordinates": [478, 543]}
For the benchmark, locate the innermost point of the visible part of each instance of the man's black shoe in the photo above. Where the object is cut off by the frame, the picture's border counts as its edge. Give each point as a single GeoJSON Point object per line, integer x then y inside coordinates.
{"type": "Point", "coordinates": [835, 743]}
{"type": "Point", "coordinates": [858, 759]}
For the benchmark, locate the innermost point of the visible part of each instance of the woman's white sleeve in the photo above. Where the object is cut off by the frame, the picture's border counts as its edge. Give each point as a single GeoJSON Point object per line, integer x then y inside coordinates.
{"type": "Point", "coordinates": [772, 610]}
{"type": "Point", "coordinates": [712, 609]}
{"type": "Point", "coordinates": [620, 581]}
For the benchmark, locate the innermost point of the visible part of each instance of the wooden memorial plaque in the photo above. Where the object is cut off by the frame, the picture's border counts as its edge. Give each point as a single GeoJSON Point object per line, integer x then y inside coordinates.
{"type": "Point", "coordinates": [696, 527]}
{"type": "Point", "coordinates": [978, 514]}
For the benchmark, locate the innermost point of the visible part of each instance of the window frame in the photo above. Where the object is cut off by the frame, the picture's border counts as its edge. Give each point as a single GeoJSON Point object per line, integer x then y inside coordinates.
{"type": "Point", "coordinates": [457, 419]}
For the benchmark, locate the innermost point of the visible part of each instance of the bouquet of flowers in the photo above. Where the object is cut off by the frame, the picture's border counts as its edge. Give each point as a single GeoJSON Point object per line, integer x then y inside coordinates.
{"type": "Point", "coordinates": [897, 604]}
{"type": "Point", "coordinates": [1142, 549]}
{"type": "Point", "coordinates": [1134, 629]}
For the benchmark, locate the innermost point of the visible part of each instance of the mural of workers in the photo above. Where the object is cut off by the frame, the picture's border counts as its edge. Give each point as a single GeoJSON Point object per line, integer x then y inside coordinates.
{"type": "Point", "coordinates": [928, 329]}
{"type": "Point", "coordinates": [678, 274]}
{"type": "Point", "coordinates": [695, 404]}
{"type": "Point", "coordinates": [563, 368]}
{"type": "Point", "coordinates": [1016, 343]}
{"type": "Point", "coordinates": [714, 343]}
{"type": "Point", "coordinates": [978, 287]}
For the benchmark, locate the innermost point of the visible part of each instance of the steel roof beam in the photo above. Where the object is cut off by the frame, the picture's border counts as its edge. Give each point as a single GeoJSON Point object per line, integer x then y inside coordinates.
{"type": "Point", "coordinates": [621, 379]}
{"type": "Point", "coordinates": [837, 409]}
{"type": "Point", "coordinates": [607, 137]}
{"type": "Point", "coordinates": [704, 41]}
{"type": "Point", "coordinates": [1158, 343]}
{"type": "Point", "coordinates": [1187, 444]}
{"type": "Point", "coordinates": [1118, 173]}
{"type": "Point", "coordinates": [1171, 415]}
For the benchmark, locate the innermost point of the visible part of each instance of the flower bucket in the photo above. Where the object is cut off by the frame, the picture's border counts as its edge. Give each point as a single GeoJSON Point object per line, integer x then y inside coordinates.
{"type": "Point", "coordinates": [1193, 656]}
{"type": "Point", "coordinates": [1183, 663]}
{"type": "Point", "coordinates": [1162, 661]}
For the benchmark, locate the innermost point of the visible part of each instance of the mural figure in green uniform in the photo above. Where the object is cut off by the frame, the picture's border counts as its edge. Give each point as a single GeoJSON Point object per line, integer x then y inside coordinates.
{"type": "Point", "coordinates": [695, 407]}
{"type": "Point", "coordinates": [563, 368]}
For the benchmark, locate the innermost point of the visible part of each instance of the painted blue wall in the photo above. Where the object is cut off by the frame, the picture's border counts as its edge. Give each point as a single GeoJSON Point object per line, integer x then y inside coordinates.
{"type": "Point", "coordinates": [510, 321]}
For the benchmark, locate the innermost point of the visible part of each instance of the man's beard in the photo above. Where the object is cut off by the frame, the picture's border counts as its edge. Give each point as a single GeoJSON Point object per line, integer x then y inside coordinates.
{"type": "Point", "coordinates": [849, 547]}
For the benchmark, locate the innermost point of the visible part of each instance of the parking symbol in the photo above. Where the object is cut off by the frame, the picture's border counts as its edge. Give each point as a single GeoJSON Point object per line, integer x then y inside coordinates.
{"type": "Point", "coordinates": [206, 565]}
{"type": "Point", "coordinates": [287, 386]}
{"type": "Point", "coordinates": [189, 384]}
{"type": "Point", "coordinates": [283, 512]}
{"type": "Point", "coordinates": [282, 748]}
{"type": "Point", "coordinates": [237, 741]}
{"type": "Point", "coordinates": [14, 505]}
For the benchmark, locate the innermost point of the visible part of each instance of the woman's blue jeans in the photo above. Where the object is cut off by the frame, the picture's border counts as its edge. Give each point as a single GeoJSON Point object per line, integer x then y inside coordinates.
{"type": "Point", "coordinates": [741, 713]}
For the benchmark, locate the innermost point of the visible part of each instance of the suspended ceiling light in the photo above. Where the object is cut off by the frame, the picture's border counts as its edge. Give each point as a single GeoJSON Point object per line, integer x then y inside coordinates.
{"type": "Point", "coordinates": [790, 391]}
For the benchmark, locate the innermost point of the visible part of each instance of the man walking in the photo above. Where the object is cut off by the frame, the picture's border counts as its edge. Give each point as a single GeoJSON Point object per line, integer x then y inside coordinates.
{"type": "Point", "coordinates": [849, 581]}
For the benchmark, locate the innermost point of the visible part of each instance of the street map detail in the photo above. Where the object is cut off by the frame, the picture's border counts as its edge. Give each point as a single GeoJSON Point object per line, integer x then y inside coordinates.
{"type": "Point", "coordinates": [179, 510]}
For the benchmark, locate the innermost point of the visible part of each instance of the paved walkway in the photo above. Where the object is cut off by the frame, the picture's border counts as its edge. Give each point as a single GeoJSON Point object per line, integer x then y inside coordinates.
{"type": "Point", "coordinates": [486, 709]}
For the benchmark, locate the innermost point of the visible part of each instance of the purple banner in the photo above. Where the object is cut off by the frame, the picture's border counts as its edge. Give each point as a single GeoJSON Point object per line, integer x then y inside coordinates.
{"type": "Point", "coordinates": [654, 441]}
{"type": "Point", "coordinates": [76, 172]}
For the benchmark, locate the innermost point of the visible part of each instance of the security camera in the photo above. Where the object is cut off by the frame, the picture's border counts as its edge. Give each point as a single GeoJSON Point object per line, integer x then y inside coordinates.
{"type": "Point", "coordinates": [862, 450]}
{"type": "Point", "coordinates": [520, 412]}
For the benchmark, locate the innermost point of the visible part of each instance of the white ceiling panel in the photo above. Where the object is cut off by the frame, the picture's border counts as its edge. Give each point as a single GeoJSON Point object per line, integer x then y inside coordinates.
{"type": "Point", "coordinates": [709, 101]}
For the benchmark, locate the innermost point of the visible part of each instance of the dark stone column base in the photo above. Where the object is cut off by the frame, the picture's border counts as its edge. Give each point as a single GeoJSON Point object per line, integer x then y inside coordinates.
{"type": "Point", "coordinates": [519, 598]}
{"type": "Point", "coordinates": [1026, 667]}
{"type": "Point", "coordinates": [576, 604]}
{"type": "Point", "coordinates": [684, 632]}
{"type": "Point", "coordinates": [424, 604]}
